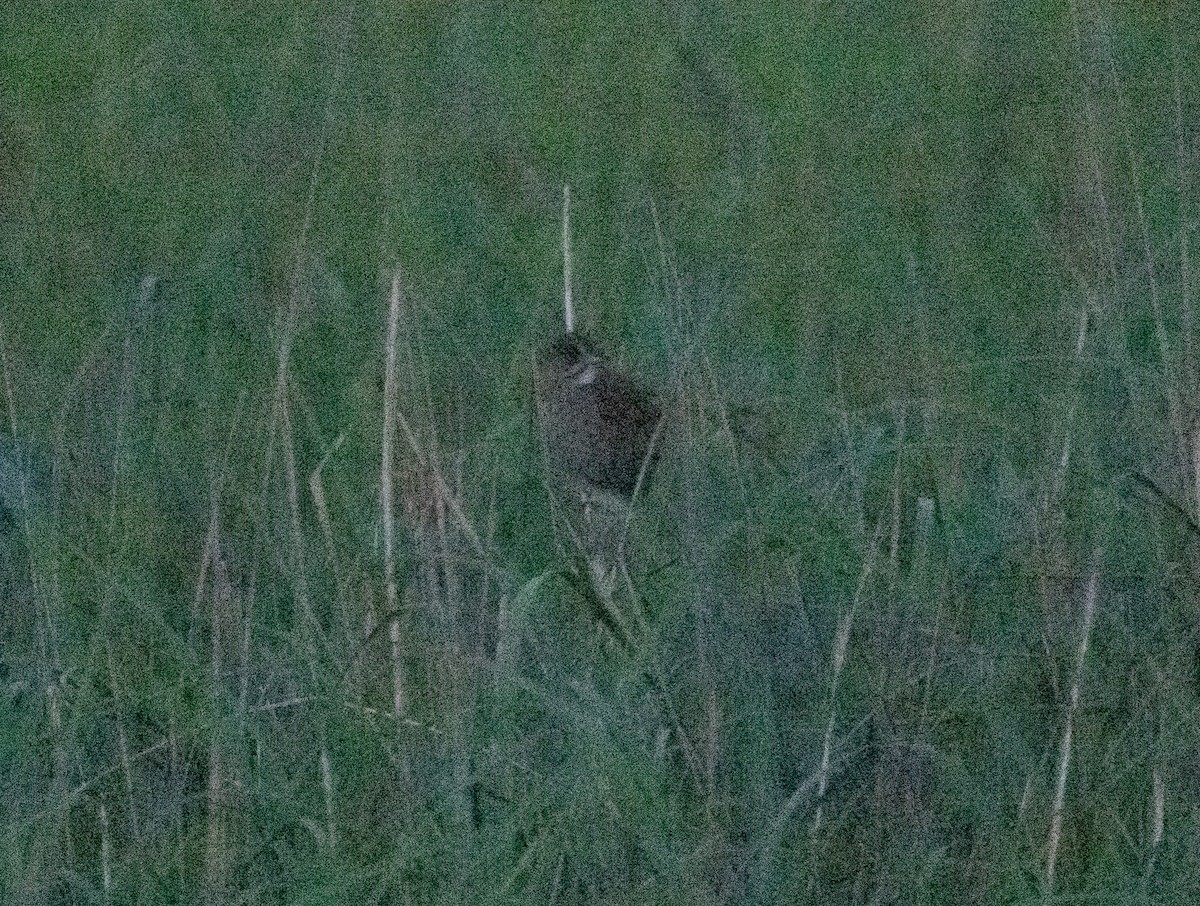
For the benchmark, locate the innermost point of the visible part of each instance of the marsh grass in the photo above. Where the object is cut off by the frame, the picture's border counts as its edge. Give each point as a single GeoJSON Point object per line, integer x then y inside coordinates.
{"type": "Point", "coordinates": [287, 617]}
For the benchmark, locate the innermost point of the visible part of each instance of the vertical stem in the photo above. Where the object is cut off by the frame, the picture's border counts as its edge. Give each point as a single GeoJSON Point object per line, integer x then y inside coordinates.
{"type": "Point", "coordinates": [117, 537]}
{"type": "Point", "coordinates": [48, 650]}
{"type": "Point", "coordinates": [1064, 752]}
{"type": "Point", "coordinates": [105, 854]}
{"type": "Point", "coordinates": [387, 501]}
{"type": "Point", "coordinates": [1170, 390]}
{"type": "Point", "coordinates": [840, 646]}
{"type": "Point", "coordinates": [1156, 811]}
{"type": "Point", "coordinates": [398, 705]}
{"type": "Point", "coordinates": [327, 788]}
{"type": "Point", "coordinates": [893, 620]}
{"type": "Point", "coordinates": [1185, 270]}
{"type": "Point", "coordinates": [214, 843]}
{"type": "Point", "coordinates": [568, 306]}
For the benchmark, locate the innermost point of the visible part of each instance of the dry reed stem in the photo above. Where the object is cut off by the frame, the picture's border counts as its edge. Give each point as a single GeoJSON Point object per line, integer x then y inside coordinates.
{"type": "Point", "coordinates": [210, 549]}
{"type": "Point", "coordinates": [702, 779]}
{"type": "Point", "coordinates": [281, 422]}
{"type": "Point", "coordinates": [568, 306]}
{"type": "Point", "coordinates": [93, 781]}
{"type": "Point", "coordinates": [703, 771]}
{"type": "Point", "coordinates": [308, 618]}
{"type": "Point", "coordinates": [840, 646]}
{"type": "Point", "coordinates": [1160, 328]}
{"type": "Point", "coordinates": [450, 574]}
{"type": "Point", "coordinates": [10, 402]}
{"type": "Point", "coordinates": [49, 663]}
{"type": "Point", "coordinates": [316, 488]}
{"type": "Point", "coordinates": [1156, 810]}
{"type": "Point", "coordinates": [105, 854]}
{"type": "Point", "coordinates": [1064, 459]}
{"type": "Point", "coordinates": [215, 838]}
{"type": "Point", "coordinates": [1185, 270]}
{"type": "Point", "coordinates": [398, 685]}
{"type": "Point", "coordinates": [125, 404]}
{"type": "Point", "coordinates": [1064, 754]}
{"type": "Point", "coordinates": [670, 272]}
{"type": "Point", "coordinates": [281, 415]}
{"type": "Point", "coordinates": [431, 463]}
{"type": "Point", "coordinates": [635, 601]}
{"type": "Point", "coordinates": [1092, 147]}
{"type": "Point", "coordinates": [1026, 794]}
{"type": "Point", "coordinates": [327, 789]}
{"type": "Point", "coordinates": [387, 498]}
{"type": "Point", "coordinates": [1196, 471]}
{"type": "Point", "coordinates": [215, 842]}
{"type": "Point", "coordinates": [447, 496]}
{"type": "Point", "coordinates": [925, 511]}
{"type": "Point", "coordinates": [1171, 393]}
{"type": "Point", "coordinates": [894, 534]}
{"type": "Point", "coordinates": [754, 540]}
{"type": "Point", "coordinates": [773, 835]}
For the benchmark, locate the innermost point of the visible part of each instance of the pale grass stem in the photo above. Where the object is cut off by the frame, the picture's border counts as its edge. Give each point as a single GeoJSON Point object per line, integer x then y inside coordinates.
{"type": "Point", "coordinates": [95, 779]}
{"type": "Point", "coordinates": [1186, 326]}
{"type": "Point", "coordinates": [387, 499]}
{"type": "Point", "coordinates": [309, 623]}
{"type": "Point", "coordinates": [281, 415]}
{"type": "Point", "coordinates": [327, 789]}
{"type": "Point", "coordinates": [316, 487]}
{"type": "Point", "coordinates": [215, 849]}
{"type": "Point", "coordinates": [925, 516]}
{"type": "Point", "coordinates": [840, 646]}
{"type": "Point", "coordinates": [894, 535]}
{"type": "Point", "coordinates": [568, 305]}
{"type": "Point", "coordinates": [1195, 467]}
{"type": "Point", "coordinates": [1170, 388]}
{"type": "Point", "coordinates": [1064, 458]}
{"type": "Point", "coordinates": [1174, 408]}
{"type": "Point", "coordinates": [1156, 810]}
{"type": "Point", "coordinates": [22, 479]}
{"type": "Point", "coordinates": [635, 601]}
{"type": "Point", "coordinates": [1026, 796]}
{"type": "Point", "coordinates": [1064, 753]}
{"type": "Point", "coordinates": [398, 687]}
{"type": "Point", "coordinates": [47, 633]}
{"type": "Point", "coordinates": [210, 560]}
{"type": "Point", "coordinates": [215, 829]}
{"type": "Point", "coordinates": [105, 854]}
{"type": "Point", "coordinates": [140, 314]}
{"type": "Point", "coordinates": [1093, 155]}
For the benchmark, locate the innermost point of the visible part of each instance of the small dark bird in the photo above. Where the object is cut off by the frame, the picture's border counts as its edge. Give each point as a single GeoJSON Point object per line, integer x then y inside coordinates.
{"type": "Point", "coordinates": [598, 426]}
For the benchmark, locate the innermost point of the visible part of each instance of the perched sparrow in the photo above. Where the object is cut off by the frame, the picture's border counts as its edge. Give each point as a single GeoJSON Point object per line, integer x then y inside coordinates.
{"type": "Point", "coordinates": [597, 425]}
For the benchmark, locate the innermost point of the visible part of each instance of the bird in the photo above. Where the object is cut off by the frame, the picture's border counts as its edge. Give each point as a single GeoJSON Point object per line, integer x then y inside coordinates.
{"type": "Point", "coordinates": [599, 427]}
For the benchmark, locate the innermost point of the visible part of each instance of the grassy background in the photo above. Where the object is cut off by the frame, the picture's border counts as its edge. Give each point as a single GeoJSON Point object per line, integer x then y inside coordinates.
{"type": "Point", "coordinates": [914, 282]}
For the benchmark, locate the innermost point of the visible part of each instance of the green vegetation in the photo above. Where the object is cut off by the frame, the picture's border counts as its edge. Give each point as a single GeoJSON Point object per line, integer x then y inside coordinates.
{"type": "Point", "coordinates": [915, 283]}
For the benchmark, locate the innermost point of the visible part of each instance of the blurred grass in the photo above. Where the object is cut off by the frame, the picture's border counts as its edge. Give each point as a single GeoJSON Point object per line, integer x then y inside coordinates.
{"type": "Point", "coordinates": [851, 244]}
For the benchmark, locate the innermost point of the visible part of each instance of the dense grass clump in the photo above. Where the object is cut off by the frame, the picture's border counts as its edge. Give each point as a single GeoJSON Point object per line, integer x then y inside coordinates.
{"type": "Point", "coordinates": [293, 613]}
